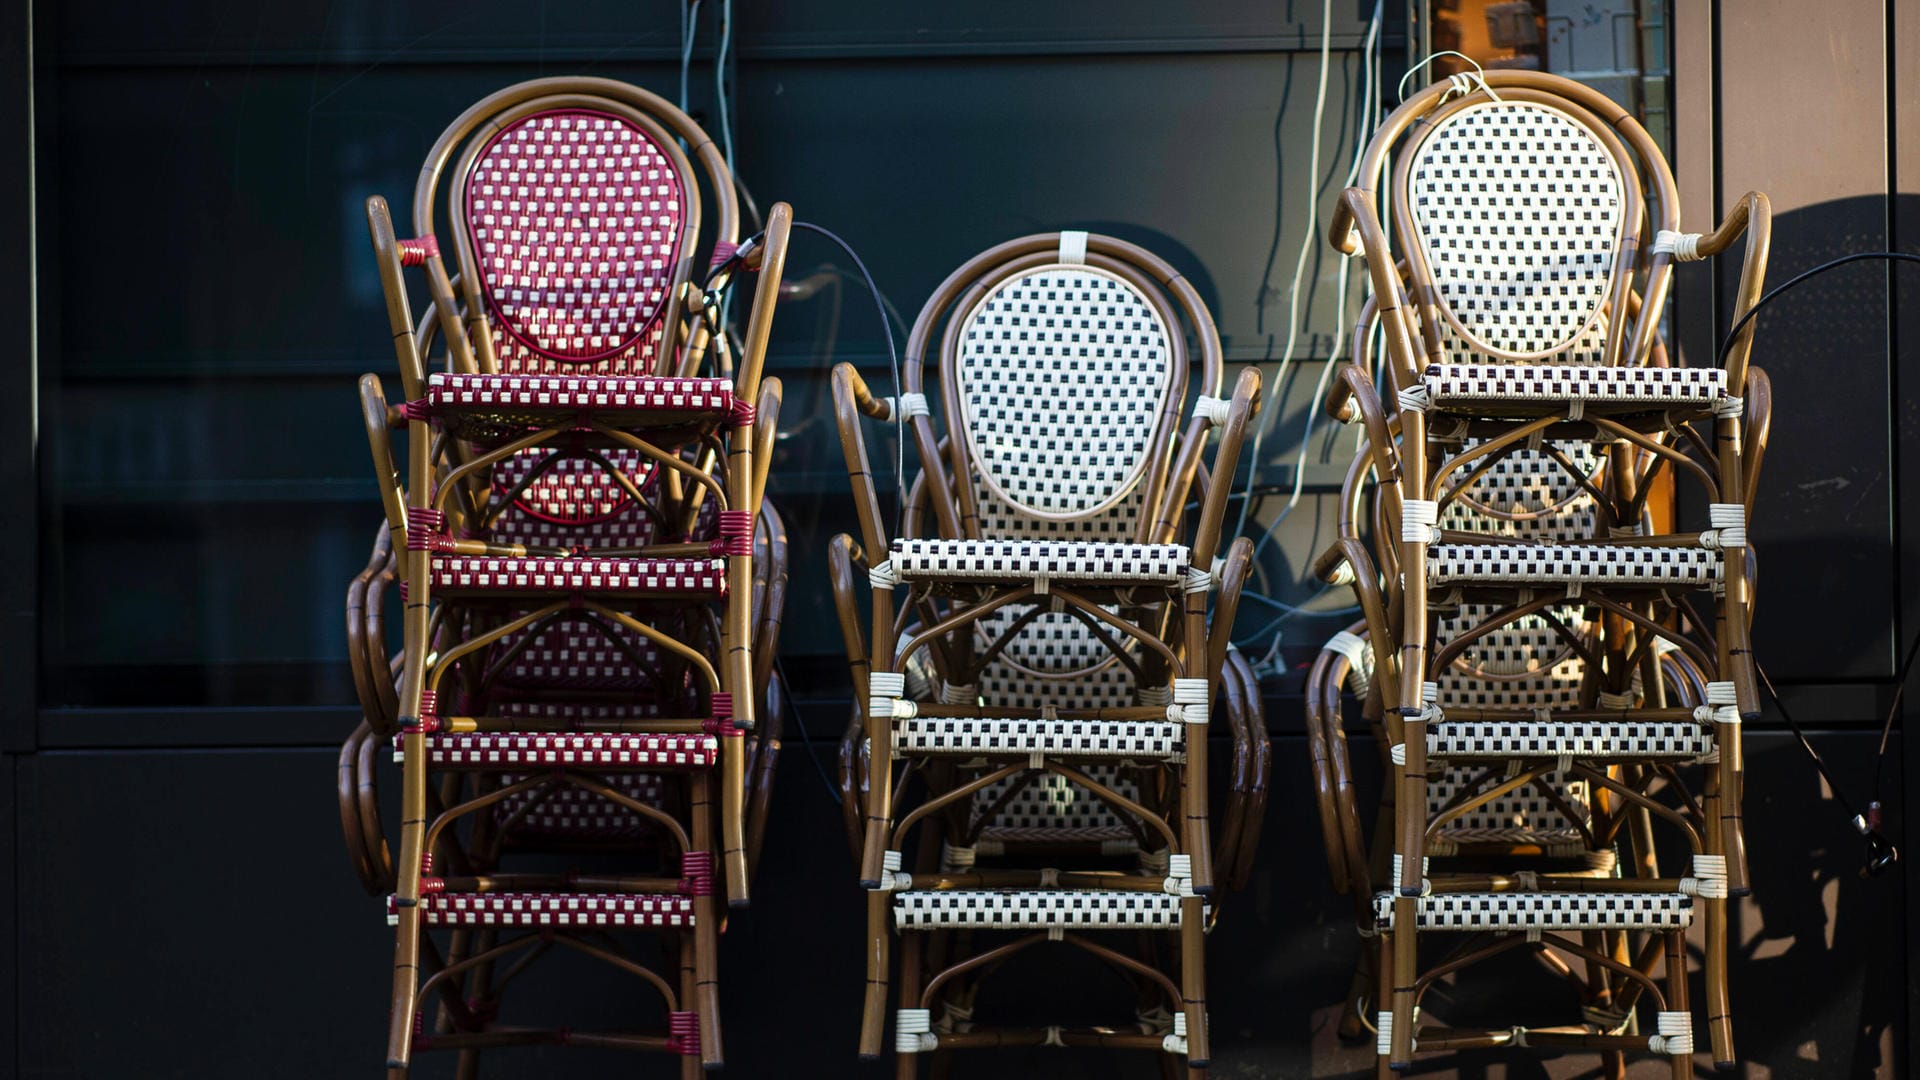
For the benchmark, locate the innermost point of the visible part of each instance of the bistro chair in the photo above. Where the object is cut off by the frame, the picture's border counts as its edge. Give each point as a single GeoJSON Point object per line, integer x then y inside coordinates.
{"type": "Point", "coordinates": [577, 509]}
{"type": "Point", "coordinates": [1546, 683]}
{"type": "Point", "coordinates": [1040, 665]}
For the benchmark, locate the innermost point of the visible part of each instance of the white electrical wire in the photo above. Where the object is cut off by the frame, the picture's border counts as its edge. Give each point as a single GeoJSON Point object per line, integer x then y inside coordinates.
{"type": "Point", "coordinates": [720, 79]}
{"type": "Point", "coordinates": [689, 29]}
{"type": "Point", "coordinates": [1367, 120]}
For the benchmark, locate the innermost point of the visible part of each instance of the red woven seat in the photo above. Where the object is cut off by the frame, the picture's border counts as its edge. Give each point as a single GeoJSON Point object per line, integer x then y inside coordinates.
{"type": "Point", "coordinates": [553, 910]}
{"type": "Point", "coordinates": [704, 578]}
{"type": "Point", "coordinates": [597, 751]}
{"type": "Point", "coordinates": [497, 406]}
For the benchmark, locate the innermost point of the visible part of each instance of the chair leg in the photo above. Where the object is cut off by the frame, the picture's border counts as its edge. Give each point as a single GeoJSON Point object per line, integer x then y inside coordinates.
{"type": "Point", "coordinates": [873, 1017]}
{"type": "Point", "coordinates": [1383, 998]}
{"type": "Point", "coordinates": [912, 948]}
{"type": "Point", "coordinates": [407, 931]}
{"type": "Point", "coordinates": [1193, 981]}
{"type": "Point", "coordinates": [1677, 994]}
{"type": "Point", "coordinates": [689, 992]}
{"type": "Point", "coordinates": [706, 930]}
{"type": "Point", "coordinates": [1719, 1005]}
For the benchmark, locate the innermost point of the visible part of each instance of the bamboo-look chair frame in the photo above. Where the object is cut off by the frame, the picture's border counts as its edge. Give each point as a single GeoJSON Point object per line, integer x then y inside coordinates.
{"type": "Point", "coordinates": [466, 336]}
{"type": "Point", "coordinates": [1170, 645]}
{"type": "Point", "coordinates": [375, 672]}
{"type": "Point", "coordinates": [1411, 317]}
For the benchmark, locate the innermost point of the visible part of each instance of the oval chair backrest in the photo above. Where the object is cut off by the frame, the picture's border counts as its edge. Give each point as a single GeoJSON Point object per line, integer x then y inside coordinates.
{"type": "Point", "coordinates": [1515, 211]}
{"type": "Point", "coordinates": [1063, 374]}
{"type": "Point", "coordinates": [575, 214]}
{"type": "Point", "coordinates": [576, 219]}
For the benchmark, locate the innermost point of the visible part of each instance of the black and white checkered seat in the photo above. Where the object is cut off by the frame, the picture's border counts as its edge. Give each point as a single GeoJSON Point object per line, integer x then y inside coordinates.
{"type": "Point", "coordinates": [1578, 740]}
{"type": "Point", "coordinates": [1138, 740]}
{"type": "Point", "coordinates": [1494, 389]}
{"type": "Point", "coordinates": [1544, 911]}
{"type": "Point", "coordinates": [1070, 562]}
{"type": "Point", "coordinates": [1035, 909]}
{"type": "Point", "coordinates": [554, 911]}
{"type": "Point", "coordinates": [1554, 565]}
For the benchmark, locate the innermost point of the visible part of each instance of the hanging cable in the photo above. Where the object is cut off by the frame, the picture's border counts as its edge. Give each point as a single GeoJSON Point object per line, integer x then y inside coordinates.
{"type": "Point", "coordinates": [880, 306]}
{"type": "Point", "coordinates": [1880, 853]}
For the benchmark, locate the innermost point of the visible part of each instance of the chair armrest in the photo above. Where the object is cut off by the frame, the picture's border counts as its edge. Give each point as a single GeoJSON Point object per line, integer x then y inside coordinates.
{"type": "Point", "coordinates": [851, 400]}
{"type": "Point", "coordinates": [1241, 410]}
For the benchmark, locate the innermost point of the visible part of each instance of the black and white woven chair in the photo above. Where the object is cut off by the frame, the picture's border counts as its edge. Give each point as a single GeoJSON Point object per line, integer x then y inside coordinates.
{"type": "Point", "coordinates": [1524, 587]}
{"type": "Point", "coordinates": [1040, 658]}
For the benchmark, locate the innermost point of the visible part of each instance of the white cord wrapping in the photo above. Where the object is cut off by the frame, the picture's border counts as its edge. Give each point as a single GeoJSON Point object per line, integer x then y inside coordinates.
{"type": "Point", "coordinates": [891, 877]}
{"type": "Point", "coordinates": [1609, 700]}
{"type": "Point", "coordinates": [1176, 1043]}
{"type": "Point", "coordinates": [1722, 707]}
{"type": "Point", "coordinates": [1198, 580]}
{"type": "Point", "coordinates": [1415, 398]}
{"type": "Point", "coordinates": [1179, 880]}
{"type": "Point", "coordinates": [906, 406]}
{"type": "Point", "coordinates": [1417, 520]}
{"type": "Point", "coordinates": [1212, 408]}
{"type": "Point", "coordinates": [1359, 659]}
{"type": "Point", "coordinates": [1729, 522]}
{"type": "Point", "coordinates": [1729, 408]}
{"type": "Point", "coordinates": [882, 576]}
{"type": "Point", "coordinates": [913, 1031]}
{"type": "Point", "coordinates": [1190, 701]}
{"type": "Point", "coordinates": [955, 860]}
{"type": "Point", "coordinates": [1383, 1028]}
{"type": "Point", "coordinates": [1399, 861]}
{"type": "Point", "coordinates": [1709, 880]}
{"type": "Point", "coordinates": [1676, 1034]}
{"type": "Point", "coordinates": [960, 694]}
{"type": "Point", "coordinates": [1155, 695]}
{"type": "Point", "coordinates": [884, 690]}
{"type": "Point", "coordinates": [1683, 246]}
{"type": "Point", "coordinates": [1073, 247]}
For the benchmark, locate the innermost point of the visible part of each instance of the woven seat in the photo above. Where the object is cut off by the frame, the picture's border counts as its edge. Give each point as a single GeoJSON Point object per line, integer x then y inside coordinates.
{"type": "Point", "coordinates": [1599, 564]}
{"type": "Point", "coordinates": [1580, 740]}
{"type": "Point", "coordinates": [554, 911]}
{"type": "Point", "coordinates": [478, 406]}
{"type": "Point", "coordinates": [1488, 389]}
{"type": "Point", "coordinates": [985, 737]}
{"type": "Point", "coordinates": [567, 813]}
{"type": "Point", "coordinates": [1546, 911]}
{"type": "Point", "coordinates": [598, 751]}
{"type": "Point", "coordinates": [1066, 561]}
{"type": "Point", "coordinates": [1035, 909]}
{"type": "Point", "coordinates": [702, 578]}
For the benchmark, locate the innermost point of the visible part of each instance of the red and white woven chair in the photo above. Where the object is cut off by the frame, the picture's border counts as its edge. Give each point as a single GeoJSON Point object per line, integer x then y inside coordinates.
{"type": "Point", "coordinates": [1070, 667]}
{"type": "Point", "coordinates": [582, 469]}
{"type": "Point", "coordinates": [1529, 630]}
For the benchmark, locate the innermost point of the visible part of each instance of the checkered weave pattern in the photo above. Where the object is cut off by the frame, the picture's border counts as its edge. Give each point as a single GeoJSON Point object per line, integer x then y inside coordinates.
{"type": "Point", "coordinates": [577, 219]}
{"type": "Point", "coordinates": [596, 751]}
{"type": "Point", "coordinates": [464, 574]}
{"type": "Point", "coordinates": [565, 812]}
{"type": "Point", "coordinates": [1482, 388]}
{"type": "Point", "coordinates": [1036, 909]}
{"type": "Point", "coordinates": [1136, 739]}
{"type": "Point", "coordinates": [1585, 740]}
{"type": "Point", "coordinates": [1061, 560]}
{"type": "Point", "coordinates": [1601, 564]}
{"type": "Point", "coordinates": [1519, 210]}
{"type": "Point", "coordinates": [556, 911]}
{"type": "Point", "coordinates": [1063, 373]}
{"type": "Point", "coordinates": [1049, 809]}
{"type": "Point", "coordinates": [1544, 911]}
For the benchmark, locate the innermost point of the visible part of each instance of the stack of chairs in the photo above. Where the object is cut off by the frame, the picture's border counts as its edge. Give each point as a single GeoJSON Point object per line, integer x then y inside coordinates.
{"type": "Point", "coordinates": [590, 576]}
{"type": "Point", "coordinates": [1555, 674]}
{"type": "Point", "coordinates": [1028, 759]}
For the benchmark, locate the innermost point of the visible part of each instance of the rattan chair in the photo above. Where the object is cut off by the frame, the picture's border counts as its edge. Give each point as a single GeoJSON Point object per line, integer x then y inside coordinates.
{"type": "Point", "coordinates": [583, 468]}
{"type": "Point", "coordinates": [1040, 658]}
{"type": "Point", "coordinates": [1528, 629]}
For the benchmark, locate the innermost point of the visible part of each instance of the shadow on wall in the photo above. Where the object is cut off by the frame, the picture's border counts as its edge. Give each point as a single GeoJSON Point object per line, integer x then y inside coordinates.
{"type": "Point", "coordinates": [1823, 515]}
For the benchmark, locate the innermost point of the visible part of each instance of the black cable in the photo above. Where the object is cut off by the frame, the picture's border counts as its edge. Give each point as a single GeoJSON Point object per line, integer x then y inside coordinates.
{"type": "Point", "coordinates": [793, 710]}
{"type": "Point", "coordinates": [1881, 853]}
{"type": "Point", "coordinates": [893, 355]}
